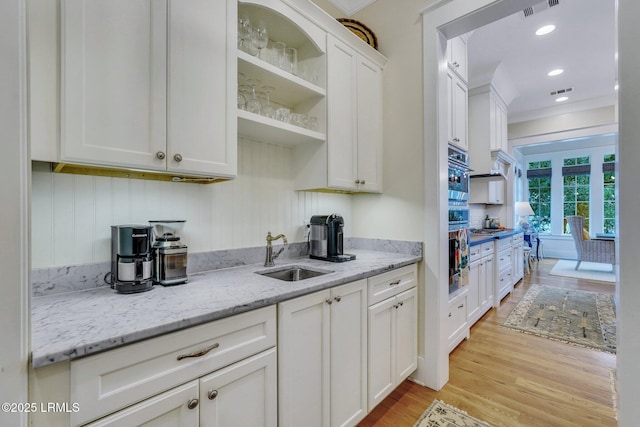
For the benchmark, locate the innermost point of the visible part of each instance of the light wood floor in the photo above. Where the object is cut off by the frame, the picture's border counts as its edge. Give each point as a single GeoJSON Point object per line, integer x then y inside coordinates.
{"type": "Point", "coordinates": [508, 378]}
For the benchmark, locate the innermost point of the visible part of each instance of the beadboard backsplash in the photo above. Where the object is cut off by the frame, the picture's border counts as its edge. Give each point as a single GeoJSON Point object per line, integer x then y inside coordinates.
{"type": "Point", "coordinates": [72, 214]}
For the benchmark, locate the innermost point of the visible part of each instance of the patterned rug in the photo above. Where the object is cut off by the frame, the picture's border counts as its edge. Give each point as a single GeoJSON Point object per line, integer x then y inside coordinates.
{"type": "Point", "coordinates": [582, 318]}
{"type": "Point", "coordinates": [439, 414]}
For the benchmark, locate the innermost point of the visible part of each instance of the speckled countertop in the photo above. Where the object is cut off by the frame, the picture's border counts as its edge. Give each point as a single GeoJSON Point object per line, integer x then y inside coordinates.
{"type": "Point", "coordinates": [74, 324]}
{"type": "Point", "coordinates": [477, 239]}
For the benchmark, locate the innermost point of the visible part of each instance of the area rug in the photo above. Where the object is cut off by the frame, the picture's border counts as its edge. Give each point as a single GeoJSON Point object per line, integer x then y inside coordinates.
{"type": "Point", "coordinates": [582, 318]}
{"type": "Point", "coordinates": [587, 270]}
{"type": "Point", "coordinates": [439, 414]}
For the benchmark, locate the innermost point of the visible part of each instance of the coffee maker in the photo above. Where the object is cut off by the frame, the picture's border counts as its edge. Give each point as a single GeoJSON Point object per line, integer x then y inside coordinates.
{"type": "Point", "coordinates": [169, 253]}
{"type": "Point", "coordinates": [327, 238]}
{"type": "Point", "coordinates": [131, 258]}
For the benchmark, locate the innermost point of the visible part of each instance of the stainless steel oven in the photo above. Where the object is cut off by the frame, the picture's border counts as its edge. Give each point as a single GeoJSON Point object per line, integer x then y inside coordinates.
{"type": "Point", "coordinates": [458, 176]}
{"type": "Point", "coordinates": [458, 248]}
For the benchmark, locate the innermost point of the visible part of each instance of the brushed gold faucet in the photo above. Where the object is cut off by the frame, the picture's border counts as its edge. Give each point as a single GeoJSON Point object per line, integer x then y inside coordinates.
{"type": "Point", "coordinates": [270, 256]}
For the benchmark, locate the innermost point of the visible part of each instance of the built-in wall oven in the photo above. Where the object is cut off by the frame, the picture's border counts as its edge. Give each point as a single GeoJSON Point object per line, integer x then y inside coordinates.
{"type": "Point", "coordinates": [458, 176]}
{"type": "Point", "coordinates": [458, 192]}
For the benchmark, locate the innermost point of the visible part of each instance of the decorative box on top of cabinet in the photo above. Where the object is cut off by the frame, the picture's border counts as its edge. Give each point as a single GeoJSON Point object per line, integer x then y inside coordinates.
{"type": "Point", "coordinates": [146, 85]}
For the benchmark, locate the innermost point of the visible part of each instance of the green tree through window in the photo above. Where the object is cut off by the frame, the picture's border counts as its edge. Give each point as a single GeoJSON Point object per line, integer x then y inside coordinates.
{"type": "Point", "coordinates": [576, 179]}
{"type": "Point", "coordinates": [609, 194]}
{"type": "Point", "coordinates": [539, 179]}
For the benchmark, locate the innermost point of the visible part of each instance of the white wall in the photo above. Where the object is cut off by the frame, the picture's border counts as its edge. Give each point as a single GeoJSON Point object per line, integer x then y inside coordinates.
{"type": "Point", "coordinates": [561, 122]}
{"type": "Point", "coordinates": [14, 214]}
{"type": "Point", "coordinates": [72, 214]}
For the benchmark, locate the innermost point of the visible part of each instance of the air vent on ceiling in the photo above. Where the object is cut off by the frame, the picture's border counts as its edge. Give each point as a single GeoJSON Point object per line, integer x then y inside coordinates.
{"type": "Point", "coordinates": [561, 91]}
{"type": "Point", "coordinates": [539, 7]}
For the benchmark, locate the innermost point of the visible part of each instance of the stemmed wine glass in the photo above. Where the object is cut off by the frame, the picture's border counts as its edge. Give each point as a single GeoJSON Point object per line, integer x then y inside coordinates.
{"type": "Point", "coordinates": [245, 32]}
{"type": "Point", "coordinates": [260, 37]}
{"type": "Point", "coordinates": [253, 104]}
{"type": "Point", "coordinates": [267, 108]}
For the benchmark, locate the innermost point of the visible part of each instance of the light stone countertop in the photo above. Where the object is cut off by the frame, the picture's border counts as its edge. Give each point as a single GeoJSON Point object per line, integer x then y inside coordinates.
{"type": "Point", "coordinates": [75, 324]}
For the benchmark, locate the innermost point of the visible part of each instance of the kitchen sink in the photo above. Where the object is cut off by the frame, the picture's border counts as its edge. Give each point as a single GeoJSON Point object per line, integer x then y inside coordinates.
{"type": "Point", "coordinates": [293, 273]}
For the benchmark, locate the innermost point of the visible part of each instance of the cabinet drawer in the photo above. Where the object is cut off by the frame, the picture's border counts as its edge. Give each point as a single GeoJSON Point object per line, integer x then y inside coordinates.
{"type": "Point", "coordinates": [486, 249]}
{"type": "Point", "coordinates": [502, 244]}
{"type": "Point", "coordinates": [504, 260]}
{"type": "Point", "coordinates": [392, 283]}
{"type": "Point", "coordinates": [474, 252]}
{"type": "Point", "coordinates": [504, 280]}
{"type": "Point", "coordinates": [457, 316]}
{"type": "Point", "coordinates": [518, 238]}
{"type": "Point", "coordinates": [106, 382]}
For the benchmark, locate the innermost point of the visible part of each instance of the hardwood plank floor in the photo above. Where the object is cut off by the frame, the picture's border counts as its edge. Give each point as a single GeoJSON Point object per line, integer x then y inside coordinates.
{"type": "Point", "coordinates": [510, 379]}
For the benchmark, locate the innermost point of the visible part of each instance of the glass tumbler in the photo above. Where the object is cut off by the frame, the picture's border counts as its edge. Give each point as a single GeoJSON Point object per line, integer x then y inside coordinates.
{"type": "Point", "coordinates": [291, 60]}
{"type": "Point", "coordinates": [279, 50]}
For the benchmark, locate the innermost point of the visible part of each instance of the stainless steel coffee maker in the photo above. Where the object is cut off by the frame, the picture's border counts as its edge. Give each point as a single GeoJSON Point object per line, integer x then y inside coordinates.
{"type": "Point", "coordinates": [326, 238]}
{"type": "Point", "coordinates": [169, 253]}
{"type": "Point", "coordinates": [131, 258]}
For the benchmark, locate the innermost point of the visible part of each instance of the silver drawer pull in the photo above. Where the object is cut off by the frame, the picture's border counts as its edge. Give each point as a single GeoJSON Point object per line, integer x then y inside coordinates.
{"type": "Point", "coordinates": [192, 404]}
{"type": "Point", "coordinates": [199, 353]}
{"type": "Point", "coordinates": [212, 394]}
{"type": "Point", "coordinates": [461, 306]}
{"type": "Point", "coordinates": [394, 283]}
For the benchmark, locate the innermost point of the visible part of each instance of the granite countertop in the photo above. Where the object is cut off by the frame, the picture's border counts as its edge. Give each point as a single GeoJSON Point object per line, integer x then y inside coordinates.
{"type": "Point", "coordinates": [75, 324]}
{"type": "Point", "coordinates": [477, 239]}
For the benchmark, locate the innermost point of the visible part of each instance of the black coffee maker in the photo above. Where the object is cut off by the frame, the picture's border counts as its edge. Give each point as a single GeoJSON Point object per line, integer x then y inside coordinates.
{"type": "Point", "coordinates": [131, 259]}
{"type": "Point", "coordinates": [327, 239]}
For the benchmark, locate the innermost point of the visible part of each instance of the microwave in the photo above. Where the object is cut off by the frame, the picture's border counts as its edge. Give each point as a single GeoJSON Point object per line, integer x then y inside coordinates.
{"type": "Point", "coordinates": [458, 176]}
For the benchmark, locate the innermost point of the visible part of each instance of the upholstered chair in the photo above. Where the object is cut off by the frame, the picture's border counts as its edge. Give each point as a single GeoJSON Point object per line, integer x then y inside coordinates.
{"type": "Point", "coordinates": [590, 250]}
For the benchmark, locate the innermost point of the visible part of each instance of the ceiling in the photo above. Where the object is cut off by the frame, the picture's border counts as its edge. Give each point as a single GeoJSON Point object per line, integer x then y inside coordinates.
{"type": "Point", "coordinates": [583, 45]}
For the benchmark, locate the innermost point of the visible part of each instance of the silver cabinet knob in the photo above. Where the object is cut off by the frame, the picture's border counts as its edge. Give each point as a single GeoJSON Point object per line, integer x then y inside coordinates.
{"type": "Point", "coordinates": [362, 182]}
{"type": "Point", "coordinates": [160, 155]}
{"type": "Point", "coordinates": [177, 158]}
{"type": "Point", "coordinates": [212, 394]}
{"type": "Point", "coordinates": [329, 301]}
{"type": "Point", "coordinates": [192, 404]}
{"type": "Point", "coordinates": [357, 181]}
{"type": "Point", "coordinates": [338, 298]}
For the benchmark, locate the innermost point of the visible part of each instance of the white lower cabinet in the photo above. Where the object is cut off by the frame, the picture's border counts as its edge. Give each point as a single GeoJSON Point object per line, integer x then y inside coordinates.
{"type": "Point", "coordinates": [221, 373]}
{"type": "Point", "coordinates": [243, 394]}
{"type": "Point", "coordinates": [393, 344]}
{"type": "Point", "coordinates": [518, 258]}
{"type": "Point", "coordinates": [322, 359]}
{"type": "Point", "coordinates": [457, 324]}
{"type": "Point", "coordinates": [480, 296]}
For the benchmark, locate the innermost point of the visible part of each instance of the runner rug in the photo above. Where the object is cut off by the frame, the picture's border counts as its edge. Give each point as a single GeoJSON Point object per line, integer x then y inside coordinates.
{"type": "Point", "coordinates": [582, 318]}
{"type": "Point", "coordinates": [439, 414]}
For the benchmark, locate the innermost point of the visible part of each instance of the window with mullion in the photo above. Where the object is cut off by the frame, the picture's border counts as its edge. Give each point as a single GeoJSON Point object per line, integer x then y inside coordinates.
{"type": "Point", "coordinates": [609, 195]}
{"type": "Point", "coordinates": [539, 182]}
{"type": "Point", "coordinates": [576, 180]}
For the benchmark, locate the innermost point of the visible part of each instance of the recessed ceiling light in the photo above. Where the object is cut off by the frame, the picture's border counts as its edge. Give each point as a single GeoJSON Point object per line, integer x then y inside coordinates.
{"type": "Point", "coordinates": [555, 72]}
{"type": "Point", "coordinates": [545, 30]}
{"type": "Point", "coordinates": [562, 99]}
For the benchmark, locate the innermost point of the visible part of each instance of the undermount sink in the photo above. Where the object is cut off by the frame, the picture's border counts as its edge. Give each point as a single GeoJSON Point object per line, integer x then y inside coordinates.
{"type": "Point", "coordinates": [293, 273]}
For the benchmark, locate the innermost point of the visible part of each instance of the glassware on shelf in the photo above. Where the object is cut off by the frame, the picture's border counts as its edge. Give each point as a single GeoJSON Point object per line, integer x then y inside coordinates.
{"type": "Point", "coordinates": [242, 101]}
{"type": "Point", "coordinates": [267, 108]}
{"type": "Point", "coordinates": [283, 114]}
{"type": "Point", "coordinates": [253, 103]}
{"type": "Point", "coordinates": [260, 37]}
{"type": "Point", "coordinates": [279, 49]}
{"type": "Point", "coordinates": [245, 30]}
{"type": "Point", "coordinates": [291, 60]}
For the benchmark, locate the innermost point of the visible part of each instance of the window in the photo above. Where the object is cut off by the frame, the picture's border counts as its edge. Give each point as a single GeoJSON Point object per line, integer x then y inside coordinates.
{"type": "Point", "coordinates": [539, 179]}
{"type": "Point", "coordinates": [609, 194]}
{"type": "Point", "coordinates": [576, 179]}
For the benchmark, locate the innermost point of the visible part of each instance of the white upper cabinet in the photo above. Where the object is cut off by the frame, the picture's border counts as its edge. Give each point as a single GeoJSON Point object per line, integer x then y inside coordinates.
{"type": "Point", "coordinates": [457, 57]}
{"type": "Point", "coordinates": [148, 84]}
{"type": "Point", "coordinates": [457, 123]}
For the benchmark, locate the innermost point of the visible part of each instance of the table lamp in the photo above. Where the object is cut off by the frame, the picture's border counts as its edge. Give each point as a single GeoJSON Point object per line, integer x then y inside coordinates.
{"type": "Point", "coordinates": [523, 210]}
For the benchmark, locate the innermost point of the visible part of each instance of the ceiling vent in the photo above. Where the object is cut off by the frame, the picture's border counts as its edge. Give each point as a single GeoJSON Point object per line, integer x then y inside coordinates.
{"type": "Point", "coordinates": [539, 7]}
{"type": "Point", "coordinates": [561, 91]}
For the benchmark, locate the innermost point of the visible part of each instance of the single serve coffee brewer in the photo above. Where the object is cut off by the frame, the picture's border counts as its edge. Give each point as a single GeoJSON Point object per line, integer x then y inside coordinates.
{"type": "Point", "coordinates": [131, 259]}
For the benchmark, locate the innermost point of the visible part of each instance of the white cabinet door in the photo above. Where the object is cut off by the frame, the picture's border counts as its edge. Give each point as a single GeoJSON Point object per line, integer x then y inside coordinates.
{"type": "Point", "coordinates": [369, 126]}
{"type": "Point", "coordinates": [201, 87]}
{"type": "Point", "coordinates": [303, 360]}
{"type": "Point", "coordinates": [474, 297]}
{"type": "Point", "coordinates": [342, 109]}
{"type": "Point", "coordinates": [113, 74]}
{"type": "Point", "coordinates": [458, 111]}
{"type": "Point", "coordinates": [349, 354]}
{"type": "Point", "coordinates": [322, 359]}
{"type": "Point", "coordinates": [457, 56]}
{"type": "Point", "coordinates": [381, 352]}
{"type": "Point", "coordinates": [406, 334]}
{"type": "Point", "coordinates": [496, 192]}
{"type": "Point", "coordinates": [243, 394]}
{"type": "Point", "coordinates": [354, 133]}
{"type": "Point", "coordinates": [489, 283]}
{"type": "Point", "coordinates": [177, 407]}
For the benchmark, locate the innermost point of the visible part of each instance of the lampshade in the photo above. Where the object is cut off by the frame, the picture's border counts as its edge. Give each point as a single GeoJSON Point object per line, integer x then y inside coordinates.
{"type": "Point", "coordinates": [523, 209]}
